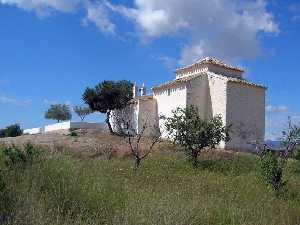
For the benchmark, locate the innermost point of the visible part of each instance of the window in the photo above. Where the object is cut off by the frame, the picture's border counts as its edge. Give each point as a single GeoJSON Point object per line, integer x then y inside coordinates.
{"type": "Point", "coordinates": [169, 92]}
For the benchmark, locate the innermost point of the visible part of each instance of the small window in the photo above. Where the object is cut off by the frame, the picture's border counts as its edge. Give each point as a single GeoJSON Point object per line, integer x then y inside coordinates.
{"type": "Point", "coordinates": [169, 92]}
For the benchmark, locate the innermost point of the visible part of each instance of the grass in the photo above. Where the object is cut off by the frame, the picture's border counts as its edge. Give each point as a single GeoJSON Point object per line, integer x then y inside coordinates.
{"type": "Point", "coordinates": [60, 189]}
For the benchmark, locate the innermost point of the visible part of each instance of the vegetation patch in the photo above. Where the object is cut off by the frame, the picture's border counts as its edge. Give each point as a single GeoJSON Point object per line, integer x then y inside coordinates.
{"type": "Point", "coordinates": [59, 188]}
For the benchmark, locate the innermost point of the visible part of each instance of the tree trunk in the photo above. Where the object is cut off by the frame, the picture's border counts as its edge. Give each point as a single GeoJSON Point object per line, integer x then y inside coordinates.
{"type": "Point", "coordinates": [108, 122]}
{"type": "Point", "coordinates": [195, 158]}
{"type": "Point", "coordinates": [137, 163]}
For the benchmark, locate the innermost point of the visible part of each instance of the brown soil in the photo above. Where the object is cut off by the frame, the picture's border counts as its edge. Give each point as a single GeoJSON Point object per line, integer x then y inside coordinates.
{"type": "Point", "coordinates": [92, 143]}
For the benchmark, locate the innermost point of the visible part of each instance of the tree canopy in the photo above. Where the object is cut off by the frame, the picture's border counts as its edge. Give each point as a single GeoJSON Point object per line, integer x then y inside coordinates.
{"type": "Point", "coordinates": [59, 112]}
{"type": "Point", "coordinates": [82, 111]}
{"type": "Point", "coordinates": [186, 128]}
{"type": "Point", "coordinates": [11, 131]}
{"type": "Point", "coordinates": [108, 96]}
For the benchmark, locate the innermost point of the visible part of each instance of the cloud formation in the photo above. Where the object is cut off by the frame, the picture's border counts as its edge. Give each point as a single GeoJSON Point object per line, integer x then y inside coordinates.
{"type": "Point", "coordinates": [222, 28]}
{"type": "Point", "coordinates": [228, 29]}
{"type": "Point", "coordinates": [44, 7]}
{"type": "Point", "coordinates": [98, 14]}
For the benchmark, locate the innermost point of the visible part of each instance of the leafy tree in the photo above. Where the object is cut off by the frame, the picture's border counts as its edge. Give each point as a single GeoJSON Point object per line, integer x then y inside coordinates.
{"type": "Point", "coordinates": [273, 160]}
{"type": "Point", "coordinates": [193, 133]}
{"type": "Point", "coordinates": [108, 96]}
{"type": "Point", "coordinates": [11, 131]}
{"type": "Point", "coordinates": [291, 139]}
{"type": "Point", "coordinates": [59, 112]}
{"type": "Point", "coordinates": [82, 111]}
{"type": "Point", "coordinates": [272, 171]}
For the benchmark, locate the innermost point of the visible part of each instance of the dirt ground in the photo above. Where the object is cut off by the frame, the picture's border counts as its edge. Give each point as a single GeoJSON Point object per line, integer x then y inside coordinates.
{"type": "Point", "coordinates": [91, 143]}
{"type": "Point", "coordinates": [87, 142]}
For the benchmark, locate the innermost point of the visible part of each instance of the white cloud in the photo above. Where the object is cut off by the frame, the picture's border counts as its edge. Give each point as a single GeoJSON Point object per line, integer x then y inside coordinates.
{"type": "Point", "coordinates": [223, 28]}
{"type": "Point", "coordinates": [44, 7]}
{"type": "Point", "coordinates": [14, 101]}
{"type": "Point", "coordinates": [98, 14]}
{"type": "Point", "coordinates": [277, 109]}
{"type": "Point", "coordinates": [228, 29]}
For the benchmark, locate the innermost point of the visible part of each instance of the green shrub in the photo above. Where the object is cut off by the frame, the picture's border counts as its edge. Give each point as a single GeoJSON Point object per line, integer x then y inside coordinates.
{"type": "Point", "coordinates": [14, 156]}
{"type": "Point", "coordinates": [7, 201]}
{"type": "Point", "coordinates": [11, 131]}
{"type": "Point", "coordinates": [73, 132]}
{"type": "Point", "coordinates": [272, 171]}
{"type": "Point", "coordinates": [296, 153]}
{"type": "Point", "coordinates": [188, 130]}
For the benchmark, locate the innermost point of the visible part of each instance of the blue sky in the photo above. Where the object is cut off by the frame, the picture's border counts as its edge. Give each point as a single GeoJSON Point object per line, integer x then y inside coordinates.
{"type": "Point", "coordinates": [51, 50]}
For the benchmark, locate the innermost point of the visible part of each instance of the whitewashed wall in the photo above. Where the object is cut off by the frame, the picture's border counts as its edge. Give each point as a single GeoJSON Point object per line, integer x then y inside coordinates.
{"type": "Point", "coordinates": [246, 114]}
{"type": "Point", "coordinates": [198, 95]}
{"type": "Point", "coordinates": [148, 115]}
{"type": "Point", "coordinates": [58, 126]}
{"type": "Point", "coordinates": [33, 131]}
{"type": "Point", "coordinates": [76, 125]}
{"type": "Point", "coordinates": [226, 72]}
{"type": "Point", "coordinates": [218, 96]}
{"type": "Point", "coordinates": [167, 101]}
{"type": "Point", "coordinates": [128, 114]}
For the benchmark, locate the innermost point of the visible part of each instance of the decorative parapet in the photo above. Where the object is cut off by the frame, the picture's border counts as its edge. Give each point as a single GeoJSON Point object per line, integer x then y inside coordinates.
{"type": "Point", "coordinates": [209, 64]}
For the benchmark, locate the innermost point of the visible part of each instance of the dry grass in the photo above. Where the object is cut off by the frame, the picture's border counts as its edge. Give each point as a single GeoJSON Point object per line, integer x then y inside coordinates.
{"type": "Point", "coordinates": [91, 143]}
{"type": "Point", "coordinates": [166, 190]}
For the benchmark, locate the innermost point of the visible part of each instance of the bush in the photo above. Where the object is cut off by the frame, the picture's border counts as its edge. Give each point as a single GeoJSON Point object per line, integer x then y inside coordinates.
{"type": "Point", "coordinates": [187, 129]}
{"type": "Point", "coordinates": [296, 153]}
{"type": "Point", "coordinates": [6, 200]}
{"type": "Point", "coordinates": [272, 171]}
{"type": "Point", "coordinates": [15, 157]}
{"type": "Point", "coordinates": [11, 131]}
{"type": "Point", "coordinates": [73, 132]}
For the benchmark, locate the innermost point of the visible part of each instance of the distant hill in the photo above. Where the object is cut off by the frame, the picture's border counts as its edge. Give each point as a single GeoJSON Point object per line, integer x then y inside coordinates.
{"type": "Point", "coordinates": [274, 144]}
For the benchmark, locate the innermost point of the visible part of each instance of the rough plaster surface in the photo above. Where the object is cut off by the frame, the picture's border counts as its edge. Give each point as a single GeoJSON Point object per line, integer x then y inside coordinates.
{"type": "Point", "coordinates": [246, 113]}
{"type": "Point", "coordinates": [214, 93]}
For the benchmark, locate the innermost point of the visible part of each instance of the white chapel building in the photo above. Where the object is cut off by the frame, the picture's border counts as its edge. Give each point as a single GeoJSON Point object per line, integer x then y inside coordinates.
{"type": "Point", "coordinates": [215, 88]}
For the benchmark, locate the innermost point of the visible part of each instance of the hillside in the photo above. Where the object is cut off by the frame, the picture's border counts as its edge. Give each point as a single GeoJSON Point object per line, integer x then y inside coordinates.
{"type": "Point", "coordinates": [59, 188]}
{"type": "Point", "coordinates": [87, 143]}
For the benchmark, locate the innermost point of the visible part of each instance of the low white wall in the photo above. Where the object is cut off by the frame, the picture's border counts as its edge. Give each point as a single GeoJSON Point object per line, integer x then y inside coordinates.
{"type": "Point", "coordinates": [75, 125]}
{"type": "Point", "coordinates": [58, 126]}
{"type": "Point", "coordinates": [37, 130]}
{"type": "Point", "coordinates": [86, 125]}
